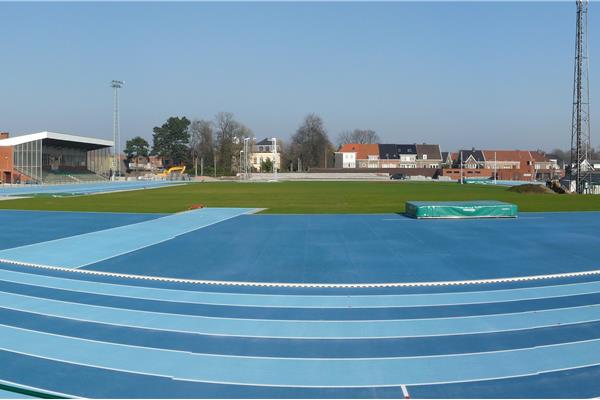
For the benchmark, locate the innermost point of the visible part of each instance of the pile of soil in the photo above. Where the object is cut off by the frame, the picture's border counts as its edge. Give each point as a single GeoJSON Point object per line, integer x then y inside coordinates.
{"type": "Point", "coordinates": [531, 188]}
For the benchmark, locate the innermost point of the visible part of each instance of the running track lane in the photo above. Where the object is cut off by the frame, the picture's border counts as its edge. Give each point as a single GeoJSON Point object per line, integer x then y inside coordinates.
{"type": "Point", "coordinates": [313, 313]}
{"type": "Point", "coordinates": [303, 372]}
{"type": "Point", "coordinates": [303, 348]}
{"type": "Point", "coordinates": [291, 329]}
{"type": "Point", "coordinates": [301, 301]}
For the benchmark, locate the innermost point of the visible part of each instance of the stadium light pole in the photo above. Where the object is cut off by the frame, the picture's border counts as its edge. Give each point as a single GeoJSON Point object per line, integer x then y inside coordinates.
{"type": "Point", "coordinates": [116, 85]}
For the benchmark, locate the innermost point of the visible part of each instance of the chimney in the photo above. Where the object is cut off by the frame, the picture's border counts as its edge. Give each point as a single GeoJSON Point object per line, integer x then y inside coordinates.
{"type": "Point", "coordinates": [3, 135]}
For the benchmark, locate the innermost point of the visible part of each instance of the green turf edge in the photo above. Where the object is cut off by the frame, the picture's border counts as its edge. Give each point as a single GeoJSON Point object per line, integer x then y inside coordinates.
{"type": "Point", "coordinates": [29, 392]}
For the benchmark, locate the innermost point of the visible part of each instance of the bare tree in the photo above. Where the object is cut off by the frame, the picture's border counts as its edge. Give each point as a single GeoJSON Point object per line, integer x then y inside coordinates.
{"type": "Point", "coordinates": [230, 135]}
{"type": "Point", "coordinates": [359, 136]}
{"type": "Point", "coordinates": [226, 127]}
{"type": "Point", "coordinates": [310, 144]}
{"type": "Point", "coordinates": [201, 142]}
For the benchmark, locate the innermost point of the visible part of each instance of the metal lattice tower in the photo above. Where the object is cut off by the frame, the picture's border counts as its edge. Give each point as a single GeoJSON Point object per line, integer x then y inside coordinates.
{"type": "Point", "coordinates": [580, 129]}
{"type": "Point", "coordinates": [116, 85]}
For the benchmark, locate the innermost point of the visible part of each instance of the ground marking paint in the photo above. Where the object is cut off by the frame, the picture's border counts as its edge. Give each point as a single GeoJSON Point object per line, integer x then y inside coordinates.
{"type": "Point", "coordinates": [405, 392]}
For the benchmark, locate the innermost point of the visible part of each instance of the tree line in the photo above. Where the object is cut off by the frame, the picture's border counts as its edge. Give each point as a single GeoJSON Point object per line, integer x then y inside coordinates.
{"type": "Point", "coordinates": [215, 144]}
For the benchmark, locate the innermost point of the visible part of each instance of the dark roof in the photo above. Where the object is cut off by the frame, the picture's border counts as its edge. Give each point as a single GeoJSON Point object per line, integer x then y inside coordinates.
{"type": "Point", "coordinates": [387, 151]}
{"type": "Point", "coordinates": [431, 150]}
{"type": "Point", "coordinates": [477, 155]}
{"type": "Point", "coordinates": [407, 148]}
{"type": "Point", "coordinates": [265, 142]}
{"type": "Point", "coordinates": [393, 151]}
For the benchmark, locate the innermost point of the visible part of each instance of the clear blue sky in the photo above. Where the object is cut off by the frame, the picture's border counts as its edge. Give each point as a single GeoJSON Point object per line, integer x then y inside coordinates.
{"type": "Point", "coordinates": [495, 75]}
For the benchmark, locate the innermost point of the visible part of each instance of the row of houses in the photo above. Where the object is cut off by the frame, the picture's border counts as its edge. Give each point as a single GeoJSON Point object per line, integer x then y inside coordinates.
{"type": "Point", "coordinates": [386, 156]}
{"type": "Point", "coordinates": [522, 165]}
{"type": "Point", "coordinates": [501, 164]}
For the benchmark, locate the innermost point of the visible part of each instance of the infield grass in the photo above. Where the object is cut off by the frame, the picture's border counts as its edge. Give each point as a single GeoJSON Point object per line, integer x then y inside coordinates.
{"type": "Point", "coordinates": [302, 197]}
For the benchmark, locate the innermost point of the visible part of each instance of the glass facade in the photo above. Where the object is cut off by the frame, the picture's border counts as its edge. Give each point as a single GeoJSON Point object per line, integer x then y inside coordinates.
{"type": "Point", "coordinates": [27, 160]}
{"type": "Point", "coordinates": [99, 161]}
{"type": "Point", "coordinates": [35, 159]}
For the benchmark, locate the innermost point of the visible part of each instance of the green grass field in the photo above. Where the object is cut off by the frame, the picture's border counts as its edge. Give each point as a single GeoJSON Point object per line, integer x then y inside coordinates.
{"type": "Point", "coordinates": [302, 197]}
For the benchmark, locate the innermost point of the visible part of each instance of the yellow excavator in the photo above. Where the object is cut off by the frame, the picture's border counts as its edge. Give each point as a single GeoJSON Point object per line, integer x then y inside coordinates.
{"type": "Point", "coordinates": [172, 170]}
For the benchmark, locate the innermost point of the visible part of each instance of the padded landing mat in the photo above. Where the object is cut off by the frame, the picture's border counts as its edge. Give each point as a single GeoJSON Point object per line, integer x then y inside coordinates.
{"type": "Point", "coordinates": [460, 209]}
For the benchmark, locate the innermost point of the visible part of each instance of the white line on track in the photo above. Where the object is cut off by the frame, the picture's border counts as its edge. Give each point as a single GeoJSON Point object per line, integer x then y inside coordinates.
{"type": "Point", "coordinates": [405, 392]}
{"type": "Point", "coordinates": [211, 356]}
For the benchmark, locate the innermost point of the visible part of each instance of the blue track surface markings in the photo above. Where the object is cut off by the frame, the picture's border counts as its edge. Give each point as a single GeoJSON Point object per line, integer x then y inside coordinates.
{"type": "Point", "coordinates": [21, 228]}
{"type": "Point", "coordinates": [88, 248]}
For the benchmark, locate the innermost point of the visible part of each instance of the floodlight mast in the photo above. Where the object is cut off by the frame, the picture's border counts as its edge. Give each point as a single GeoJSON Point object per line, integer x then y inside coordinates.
{"type": "Point", "coordinates": [580, 122]}
{"type": "Point", "coordinates": [116, 85]}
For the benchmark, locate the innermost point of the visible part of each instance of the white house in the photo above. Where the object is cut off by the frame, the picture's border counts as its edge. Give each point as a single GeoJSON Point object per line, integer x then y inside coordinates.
{"type": "Point", "coordinates": [263, 151]}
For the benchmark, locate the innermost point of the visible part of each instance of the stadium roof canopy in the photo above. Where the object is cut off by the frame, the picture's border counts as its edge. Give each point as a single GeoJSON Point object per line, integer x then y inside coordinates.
{"type": "Point", "coordinates": [59, 139]}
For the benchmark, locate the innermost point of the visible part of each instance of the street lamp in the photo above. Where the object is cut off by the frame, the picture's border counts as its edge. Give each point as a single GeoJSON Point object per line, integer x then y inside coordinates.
{"type": "Point", "coordinates": [241, 165]}
{"type": "Point", "coordinates": [247, 154]}
{"type": "Point", "coordinates": [274, 141]}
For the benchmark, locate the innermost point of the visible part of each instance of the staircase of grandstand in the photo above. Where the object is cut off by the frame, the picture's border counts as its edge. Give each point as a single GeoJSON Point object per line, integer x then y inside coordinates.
{"type": "Point", "coordinates": [71, 175]}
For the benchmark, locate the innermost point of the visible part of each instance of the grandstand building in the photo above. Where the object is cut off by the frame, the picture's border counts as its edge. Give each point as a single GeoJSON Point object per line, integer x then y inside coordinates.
{"type": "Point", "coordinates": [48, 157]}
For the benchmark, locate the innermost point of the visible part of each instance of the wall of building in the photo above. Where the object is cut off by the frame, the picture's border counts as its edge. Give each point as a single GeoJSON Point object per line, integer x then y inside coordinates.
{"type": "Point", "coordinates": [455, 173]}
{"type": "Point", "coordinates": [255, 160]}
{"type": "Point", "coordinates": [521, 174]}
{"type": "Point", "coordinates": [6, 163]}
{"type": "Point", "coordinates": [427, 172]}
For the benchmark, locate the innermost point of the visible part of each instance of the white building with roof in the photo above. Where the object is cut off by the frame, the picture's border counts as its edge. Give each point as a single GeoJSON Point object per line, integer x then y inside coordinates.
{"type": "Point", "coordinates": [50, 157]}
{"type": "Point", "coordinates": [266, 149]}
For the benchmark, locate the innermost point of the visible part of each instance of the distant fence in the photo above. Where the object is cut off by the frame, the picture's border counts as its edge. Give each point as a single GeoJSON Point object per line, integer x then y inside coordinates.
{"type": "Point", "coordinates": [427, 172]}
{"type": "Point", "coordinates": [304, 176]}
{"type": "Point", "coordinates": [503, 182]}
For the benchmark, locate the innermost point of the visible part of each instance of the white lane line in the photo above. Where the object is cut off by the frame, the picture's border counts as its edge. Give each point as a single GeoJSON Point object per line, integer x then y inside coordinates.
{"type": "Point", "coordinates": [79, 349]}
{"type": "Point", "coordinates": [288, 329]}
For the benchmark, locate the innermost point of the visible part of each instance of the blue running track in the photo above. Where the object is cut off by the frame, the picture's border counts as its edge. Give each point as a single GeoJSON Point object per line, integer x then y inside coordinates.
{"type": "Point", "coordinates": [371, 249]}
{"type": "Point", "coordinates": [100, 336]}
{"type": "Point", "coordinates": [80, 188]}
